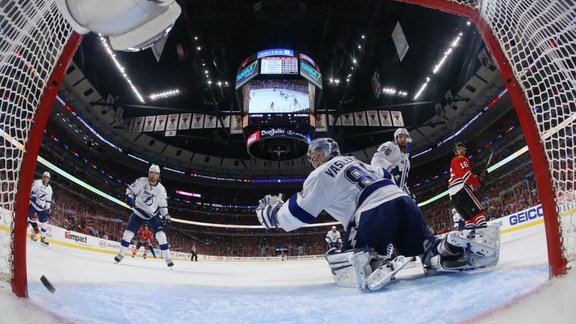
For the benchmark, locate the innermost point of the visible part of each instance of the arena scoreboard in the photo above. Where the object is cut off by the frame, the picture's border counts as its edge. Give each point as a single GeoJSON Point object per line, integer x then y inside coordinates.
{"type": "Point", "coordinates": [278, 91]}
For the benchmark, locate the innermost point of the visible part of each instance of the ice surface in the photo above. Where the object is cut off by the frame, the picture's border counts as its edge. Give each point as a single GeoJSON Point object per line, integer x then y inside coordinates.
{"type": "Point", "coordinates": [90, 288]}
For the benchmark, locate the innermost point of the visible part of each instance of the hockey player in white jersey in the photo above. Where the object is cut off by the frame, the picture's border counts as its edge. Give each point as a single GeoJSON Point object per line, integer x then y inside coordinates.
{"type": "Point", "coordinates": [147, 196]}
{"type": "Point", "coordinates": [40, 204]}
{"type": "Point", "coordinates": [376, 212]}
{"type": "Point", "coordinates": [334, 240]}
{"type": "Point", "coordinates": [458, 220]}
{"type": "Point", "coordinates": [394, 157]}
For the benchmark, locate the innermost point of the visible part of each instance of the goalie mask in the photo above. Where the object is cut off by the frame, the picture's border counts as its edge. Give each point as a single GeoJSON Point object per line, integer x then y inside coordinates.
{"type": "Point", "coordinates": [327, 146]}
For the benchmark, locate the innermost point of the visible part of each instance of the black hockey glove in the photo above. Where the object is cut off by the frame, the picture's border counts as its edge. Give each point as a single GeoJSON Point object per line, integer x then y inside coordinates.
{"type": "Point", "coordinates": [166, 222]}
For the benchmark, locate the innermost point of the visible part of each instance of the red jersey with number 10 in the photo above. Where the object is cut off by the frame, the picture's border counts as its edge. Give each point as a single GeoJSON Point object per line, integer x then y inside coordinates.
{"type": "Point", "coordinates": [461, 174]}
{"type": "Point", "coordinates": [144, 235]}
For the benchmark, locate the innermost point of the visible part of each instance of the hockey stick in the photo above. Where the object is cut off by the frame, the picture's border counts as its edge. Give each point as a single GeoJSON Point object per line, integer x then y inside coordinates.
{"type": "Point", "coordinates": [405, 158]}
{"type": "Point", "coordinates": [489, 159]}
{"type": "Point", "coordinates": [485, 172]}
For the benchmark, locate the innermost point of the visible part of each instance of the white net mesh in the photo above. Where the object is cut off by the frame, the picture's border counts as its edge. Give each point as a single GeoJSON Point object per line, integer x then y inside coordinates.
{"type": "Point", "coordinates": [32, 37]}
{"type": "Point", "coordinates": [539, 40]}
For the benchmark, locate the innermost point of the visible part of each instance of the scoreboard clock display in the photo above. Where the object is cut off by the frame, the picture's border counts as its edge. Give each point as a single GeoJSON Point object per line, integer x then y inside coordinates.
{"type": "Point", "coordinates": [279, 65]}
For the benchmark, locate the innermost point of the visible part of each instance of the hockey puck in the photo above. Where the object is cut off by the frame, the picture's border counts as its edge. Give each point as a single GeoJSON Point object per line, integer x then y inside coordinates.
{"type": "Point", "coordinates": [47, 284]}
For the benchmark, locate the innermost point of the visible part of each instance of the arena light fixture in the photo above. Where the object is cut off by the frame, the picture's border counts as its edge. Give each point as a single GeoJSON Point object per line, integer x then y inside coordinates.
{"type": "Point", "coordinates": [121, 69]}
{"type": "Point", "coordinates": [164, 94]}
{"type": "Point", "coordinates": [422, 88]}
{"type": "Point", "coordinates": [439, 65]}
{"type": "Point", "coordinates": [138, 158]}
{"type": "Point", "coordinates": [188, 194]}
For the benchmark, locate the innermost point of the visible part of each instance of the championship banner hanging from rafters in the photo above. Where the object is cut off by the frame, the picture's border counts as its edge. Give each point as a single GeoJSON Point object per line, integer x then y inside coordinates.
{"type": "Point", "coordinates": [172, 123]}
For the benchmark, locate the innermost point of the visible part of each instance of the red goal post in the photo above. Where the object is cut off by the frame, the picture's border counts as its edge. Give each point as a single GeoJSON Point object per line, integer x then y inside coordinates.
{"type": "Point", "coordinates": [36, 47]}
{"type": "Point", "coordinates": [533, 43]}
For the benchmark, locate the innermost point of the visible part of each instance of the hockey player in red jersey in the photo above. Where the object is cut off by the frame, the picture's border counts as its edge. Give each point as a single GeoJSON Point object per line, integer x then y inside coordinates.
{"type": "Point", "coordinates": [461, 189]}
{"type": "Point", "coordinates": [144, 236]}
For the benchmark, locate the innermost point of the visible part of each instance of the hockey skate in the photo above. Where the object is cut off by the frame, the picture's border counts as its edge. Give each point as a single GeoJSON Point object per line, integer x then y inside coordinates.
{"type": "Point", "coordinates": [118, 258]}
{"type": "Point", "coordinates": [44, 242]}
{"type": "Point", "coordinates": [382, 275]}
{"type": "Point", "coordinates": [169, 263]}
{"type": "Point", "coordinates": [33, 237]}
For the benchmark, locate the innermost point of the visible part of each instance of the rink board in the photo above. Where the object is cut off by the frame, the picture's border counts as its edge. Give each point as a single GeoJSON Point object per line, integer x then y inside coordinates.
{"type": "Point", "coordinates": [57, 235]}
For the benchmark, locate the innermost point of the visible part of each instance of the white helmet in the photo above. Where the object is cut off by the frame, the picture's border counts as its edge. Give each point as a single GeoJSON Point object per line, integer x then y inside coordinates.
{"type": "Point", "coordinates": [154, 168]}
{"type": "Point", "coordinates": [454, 211]}
{"type": "Point", "coordinates": [401, 131]}
{"type": "Point", "coordinates": [46, 174]}
{"type": "Point", "coordinates": [325, 145]}
{"type": "Point", "coordinates": [333, 228]}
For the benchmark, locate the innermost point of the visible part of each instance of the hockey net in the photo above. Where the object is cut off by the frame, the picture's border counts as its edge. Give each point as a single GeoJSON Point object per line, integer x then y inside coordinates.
{"type": "Point", "coordinates": [33, 35]}
{"type": "Point", "coordinates": [535, 40]}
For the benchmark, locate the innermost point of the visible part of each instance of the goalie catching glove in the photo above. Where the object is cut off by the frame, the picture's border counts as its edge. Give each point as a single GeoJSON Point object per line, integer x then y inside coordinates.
{"type": "Point", "coordinates": [268, 209]}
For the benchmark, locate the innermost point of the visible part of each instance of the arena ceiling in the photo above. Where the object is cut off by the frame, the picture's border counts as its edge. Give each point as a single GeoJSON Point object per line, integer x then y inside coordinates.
{"type": "Point", "coordinates": [347, 39]}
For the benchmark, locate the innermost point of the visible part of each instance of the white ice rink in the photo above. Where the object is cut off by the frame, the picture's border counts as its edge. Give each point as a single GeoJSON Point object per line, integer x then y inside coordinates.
{"type": "Point", "coordinates": [90, 288]}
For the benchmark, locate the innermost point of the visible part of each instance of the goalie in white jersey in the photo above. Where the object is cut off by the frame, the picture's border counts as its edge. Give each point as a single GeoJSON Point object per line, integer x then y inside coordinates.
{"type": "Point", "coordinates": [40, 205]}
{"type": "Point", "coordinates": [148, 198]}
{"type": "Point", "coordinates": [394, 157]}
{"type": "Point", "coordinates": [375, 211]}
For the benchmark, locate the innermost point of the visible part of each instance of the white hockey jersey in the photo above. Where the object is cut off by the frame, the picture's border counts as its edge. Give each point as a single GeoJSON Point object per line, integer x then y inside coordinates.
{"type": "Point", "coordinates": [333, 237]}
{"type": "Point", "coordinates": [41, 195]}
{"type": "Point", "coordinates": [456, 218]}
{"type": "Point", "coordinates": [150, 200]}
{"type": "Point", "coordinates": [337, 187]}
{"type": "Point", "coordinates": [389, 156]}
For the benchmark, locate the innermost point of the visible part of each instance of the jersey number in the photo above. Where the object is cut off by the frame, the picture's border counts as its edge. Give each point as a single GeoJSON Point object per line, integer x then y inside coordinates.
{"type": "Point", "coordinates": [464, 165]}
{"type": "Point", "coordinates": [360, 176]}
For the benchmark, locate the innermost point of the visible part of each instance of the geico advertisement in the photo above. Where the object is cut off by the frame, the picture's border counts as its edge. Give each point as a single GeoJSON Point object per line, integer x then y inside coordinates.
{"type": "Point", "coordinates": [519, 218]}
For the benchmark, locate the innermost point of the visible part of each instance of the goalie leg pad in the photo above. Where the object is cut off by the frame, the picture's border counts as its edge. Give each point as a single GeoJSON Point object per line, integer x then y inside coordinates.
{"type": "Point", "coordinates": [350, 268]}
{"type": "Point", "coordinates": [483, 242]}
{"type": "Point", "coordinates": [360, 260]}
{"type": "Point", "coordinates": [342, 269]}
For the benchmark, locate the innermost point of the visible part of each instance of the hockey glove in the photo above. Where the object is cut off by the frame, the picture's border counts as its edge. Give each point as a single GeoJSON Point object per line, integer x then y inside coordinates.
{"type": "Point", "coordinates": [396, 175]}
{"type": "Point", "coordinates": [166, 222]}
{"type": "Point", "coordinates": [270, 200]}
{"type": "Point", "coordinates": [268, 215]}
{"type": "Point", "coordinates": [130, 201]}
